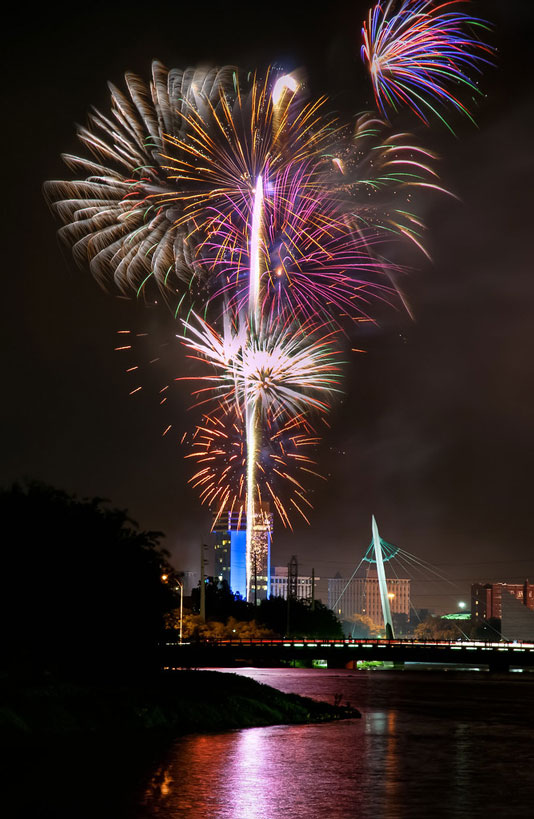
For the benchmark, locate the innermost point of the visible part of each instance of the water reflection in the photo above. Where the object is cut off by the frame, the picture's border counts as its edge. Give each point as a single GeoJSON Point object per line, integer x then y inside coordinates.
{"type": "Point", "coordinates": [463, 750]}
{"type": "Point", "coordinates": [407, 757]}
{"type": "Point", "coordinates": [260, 773]}
{"type": "Point", "coordinates": [392, 764]}
{"type": "Point", "coordinates": [160, 784]}
{"type": "Point", "coordinates": [249, 794]}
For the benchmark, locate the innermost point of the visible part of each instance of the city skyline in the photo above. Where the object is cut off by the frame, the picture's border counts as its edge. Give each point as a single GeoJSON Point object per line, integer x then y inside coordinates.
{"type": "Point", "coordinates": [434, 433]}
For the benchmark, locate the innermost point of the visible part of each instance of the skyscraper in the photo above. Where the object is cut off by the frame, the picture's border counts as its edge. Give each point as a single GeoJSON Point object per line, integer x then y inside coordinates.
{"type": "Point", "coordinates": [260, 570]}
{"type": "Point", "coordinates": [230, 532]}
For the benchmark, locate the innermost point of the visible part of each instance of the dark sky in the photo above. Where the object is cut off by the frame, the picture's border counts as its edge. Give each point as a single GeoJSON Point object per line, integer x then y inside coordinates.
{"type": "Point", "coordinates": [436, 433]}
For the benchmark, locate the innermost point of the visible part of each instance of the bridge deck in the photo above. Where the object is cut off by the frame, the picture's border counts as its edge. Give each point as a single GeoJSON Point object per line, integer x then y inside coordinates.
{"type": "Point", "coordinates": [496, 655]}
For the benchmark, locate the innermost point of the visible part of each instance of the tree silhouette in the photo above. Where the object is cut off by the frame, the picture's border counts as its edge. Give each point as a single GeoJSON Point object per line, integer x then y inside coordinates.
{"type": "Point", "coordinates": [435, 628]}
{"type": "Point", "coordinates": [303, 621]}
{"type": "Point", "coordinates": [222, 602]}
{"type": "Point", "coordinates": [80, 585]}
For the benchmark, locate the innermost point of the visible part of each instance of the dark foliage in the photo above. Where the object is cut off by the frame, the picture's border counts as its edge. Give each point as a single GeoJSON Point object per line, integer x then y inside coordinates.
{"type": "Point", "coordinates": [80, 586]}
{"type": "Point", "coordinates": [302, 621]}
{"type": "Point", "coordinates": [176, 703]}
{"type": "Point", "coordinates": [222, 603]}
{"type": "Point", "coordinates": [488, 630]}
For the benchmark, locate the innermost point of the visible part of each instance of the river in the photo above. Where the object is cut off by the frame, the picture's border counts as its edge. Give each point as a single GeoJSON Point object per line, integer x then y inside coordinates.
{"type": "Point", "coordinates": [429, 744]}
{"type": "Point", "coordinates": [441, 744]}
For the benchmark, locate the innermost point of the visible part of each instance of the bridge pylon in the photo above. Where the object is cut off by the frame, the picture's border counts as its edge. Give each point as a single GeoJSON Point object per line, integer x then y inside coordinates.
{"type": "Point", "coordinates": [384, 599]}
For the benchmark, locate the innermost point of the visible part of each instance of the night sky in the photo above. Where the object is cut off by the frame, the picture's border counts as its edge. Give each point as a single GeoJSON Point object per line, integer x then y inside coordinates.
{"type": "Point", "coordinates": [435, 435]}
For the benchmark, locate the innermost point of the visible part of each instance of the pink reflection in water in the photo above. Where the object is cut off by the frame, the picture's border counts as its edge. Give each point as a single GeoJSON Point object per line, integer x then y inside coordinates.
{"type": "Point", "coordinates": [260, 773]}
{"type": "Point", "coordinates": [439, 740]}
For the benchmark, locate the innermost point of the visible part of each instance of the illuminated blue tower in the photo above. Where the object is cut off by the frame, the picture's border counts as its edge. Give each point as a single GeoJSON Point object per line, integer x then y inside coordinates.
{"type": "Point", "coordinates": [230, 532]}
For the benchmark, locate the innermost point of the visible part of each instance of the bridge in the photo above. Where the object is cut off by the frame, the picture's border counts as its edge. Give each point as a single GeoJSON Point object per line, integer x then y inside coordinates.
{"type": "Point", "coordinates": [498, 656]}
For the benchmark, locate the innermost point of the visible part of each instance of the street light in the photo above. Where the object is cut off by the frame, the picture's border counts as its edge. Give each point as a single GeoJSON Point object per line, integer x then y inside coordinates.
{"type": "Point", "coordinates": [180, 586]}
{"type": "Point", "coordinates": [461, 604]}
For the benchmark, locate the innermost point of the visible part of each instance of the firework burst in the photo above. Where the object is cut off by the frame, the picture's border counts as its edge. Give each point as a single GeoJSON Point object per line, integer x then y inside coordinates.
{"type": "Point", "coordinates": [242, 197]}
{"type": "Point", "coordinates": [168, 194]}
{"type": "Point", "coordinates": [328, 226]}
{"type": "Point", "coordinates": [256, 127]}
{"type": "Point", "coordinates": [166, 150]}
{"type": "Point", "coordinates": [110, 219]}
{"type": "Point", "coordinates": [285, 370]}
{"type": "Point", "coordinates": [283, 464]}
{"type": "Point", "coordinates": [421, 54]}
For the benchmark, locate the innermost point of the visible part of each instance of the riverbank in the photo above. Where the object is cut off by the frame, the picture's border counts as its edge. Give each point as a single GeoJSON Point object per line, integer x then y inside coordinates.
{"type": "Point", "coordinates": [176, 703]}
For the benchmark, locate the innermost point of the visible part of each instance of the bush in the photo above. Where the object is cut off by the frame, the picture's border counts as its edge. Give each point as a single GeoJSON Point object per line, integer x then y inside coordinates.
{"type": "Point", "coordinates": [81, 586]}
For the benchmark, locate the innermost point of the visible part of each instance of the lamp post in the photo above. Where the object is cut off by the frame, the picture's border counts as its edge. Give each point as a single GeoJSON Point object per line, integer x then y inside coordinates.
{"type": "Point", "coordinates": [165, 578]}
{"type": "Point", "coordinates": [181, 587]}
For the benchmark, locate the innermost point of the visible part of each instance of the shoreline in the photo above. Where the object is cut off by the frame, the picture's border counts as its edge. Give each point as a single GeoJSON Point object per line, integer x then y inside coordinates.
{"type": "Point", "coordinates": [180, 703]}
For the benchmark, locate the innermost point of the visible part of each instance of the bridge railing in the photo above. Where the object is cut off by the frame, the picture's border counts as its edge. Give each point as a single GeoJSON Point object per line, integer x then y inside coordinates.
{"type": "Point", "coordinates": [347, 643]}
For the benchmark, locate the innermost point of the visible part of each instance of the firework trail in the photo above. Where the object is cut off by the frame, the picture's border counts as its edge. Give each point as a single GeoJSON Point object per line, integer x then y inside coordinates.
{"type": "Point", "coordinates": [218, 445]}
{"type": "Point", "coordinates": [167, 194]}
{"type": "Point", "coordinates": [420, 53]}
{"type": "Point", "coordinates": [219, 450]}
{"type": "Point", "coordinates": [251, 402]}
{"type": "Point", "coordinates": [238, 196]}
{"type": "Point", "coordinates": [328, 225]}
{"type": "Point", "coordinates": [169, 151]}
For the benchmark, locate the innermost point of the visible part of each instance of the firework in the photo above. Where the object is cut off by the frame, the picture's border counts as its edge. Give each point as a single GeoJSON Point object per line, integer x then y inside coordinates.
{"type": "Point", "coordinates": [168, 194]}
{"type": "Point", "coordinates": [287, 369]}
{"type": "Point", "coordinates": [168, 150]}
{"type": "Point", "coordinates": [284, 440]}
{"type": "Point", "coordinates": [268, 374]}
{"type": "Point", "coordinates": [243, 197]}
{"type": "Point", "coordinates": [283, 464]}
{"type": "Point", "coordinates": [110, 217]}
{"type": "Point", "coordinates": [329, 224]}
{"type": "Point", "coordinates": [422, 54]}
{"type": "Point", "coordinates": [258, 127]}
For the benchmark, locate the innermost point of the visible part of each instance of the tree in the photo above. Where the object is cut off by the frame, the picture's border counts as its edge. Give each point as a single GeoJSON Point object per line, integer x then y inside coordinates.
{"type": "Point", "coordinates": [222, 602]}
{"type": "Point", "coordinates": [488, 630]}
{"type": "Point", "coordinates": [194, 628]}
{"type": "Point", "coordinates": [361, 626]}
{"type": "Point", "coordinates": [401, 623]}
{"type": "Point", "coordinates": [81, 588]}
{"type": "Point", "coordinates": [435, 628]}
{"type": "Point", "coordinates": [303, 621]}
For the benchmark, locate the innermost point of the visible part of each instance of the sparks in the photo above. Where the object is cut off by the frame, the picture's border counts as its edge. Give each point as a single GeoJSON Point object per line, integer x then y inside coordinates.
{"type": "Point", "coordinates": [422, 55]}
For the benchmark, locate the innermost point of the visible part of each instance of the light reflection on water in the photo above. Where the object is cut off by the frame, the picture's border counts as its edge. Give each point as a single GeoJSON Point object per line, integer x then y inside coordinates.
{"type": "Point", "coordinates": [427, 744]}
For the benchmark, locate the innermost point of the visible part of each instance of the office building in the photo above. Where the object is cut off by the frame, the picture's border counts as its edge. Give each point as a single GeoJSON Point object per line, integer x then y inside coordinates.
{"type": "Point", "coordinates": [279, 584]}
{"type": "Point", "coordinates": [230, 552]}
{"type": "Point", "coordinates": [260, 569]}
{"type": "Point", "coordinates": [511, 603]}
{"type": "Point", "coordinates": [486, 598]}
{"type": "Point", "coordinates": [361, 596]}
